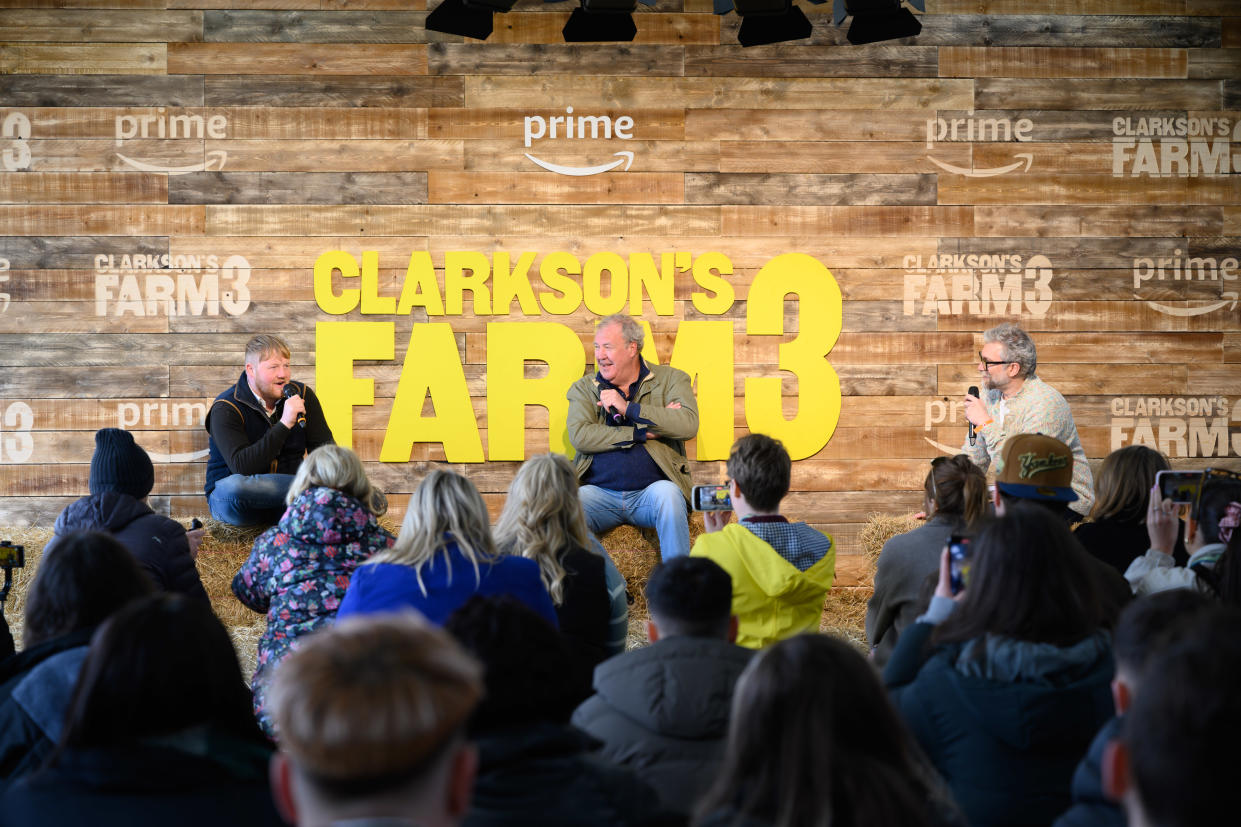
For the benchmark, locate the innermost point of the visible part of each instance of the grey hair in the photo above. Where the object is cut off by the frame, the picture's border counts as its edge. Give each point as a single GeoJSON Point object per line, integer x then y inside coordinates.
{"type": "Point", "coordinates": [1018, 346]}
{"type": "Point", "coordinates": [630, 329]}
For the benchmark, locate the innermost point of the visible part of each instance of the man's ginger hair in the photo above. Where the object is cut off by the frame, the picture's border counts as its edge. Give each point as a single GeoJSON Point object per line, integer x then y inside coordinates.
{"type": "Point", "coordinates": [373, 703]}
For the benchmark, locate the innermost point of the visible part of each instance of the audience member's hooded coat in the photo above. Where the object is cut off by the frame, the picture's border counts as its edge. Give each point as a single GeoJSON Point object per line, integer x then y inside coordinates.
{"type": "Point", "coordinates": [158, 543]}
{"type": "Point", "coordinates": [662, 710]}
{"type": "Point", "coordinates": [1004, 721]}
{"type": "Point", "coordinates": [772, 598]}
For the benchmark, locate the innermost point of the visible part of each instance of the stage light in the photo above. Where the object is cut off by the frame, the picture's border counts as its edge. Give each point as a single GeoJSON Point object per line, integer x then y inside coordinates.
{"type": "Point", "coordinates": [768, 21]}
{"type": "Point", "coordinates": [876, 20]}
{"type": "Point", "coordinates": [468, 18]}
{"type": "Point", "coordinates": [597, 21]}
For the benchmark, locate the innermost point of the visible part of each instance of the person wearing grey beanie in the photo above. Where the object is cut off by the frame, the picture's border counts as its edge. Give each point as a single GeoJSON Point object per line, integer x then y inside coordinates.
{"type": "Point", "coordinates": [121, 477]}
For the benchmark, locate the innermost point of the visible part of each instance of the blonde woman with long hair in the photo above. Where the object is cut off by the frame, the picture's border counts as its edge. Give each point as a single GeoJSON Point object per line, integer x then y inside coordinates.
{"type": "Point", "coordinates": [299, 569]}
{"type": "Point", "coordinates": [444, 555]}
{"type": "Point", "coordinates": [543, 521]}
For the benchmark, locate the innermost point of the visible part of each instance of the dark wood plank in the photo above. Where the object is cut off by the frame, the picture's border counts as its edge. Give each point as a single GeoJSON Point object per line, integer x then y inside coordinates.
{"type": "Point", "coordinates": [1109, 30]}
{"type": "Point", "coordinates": [790, 61]}
{"type": "Point", "coordinates": [91, 349]}
{"type": "Point", "coordinates": [554, 59]}
{"type": "Point", "coordinates": [1108, 221]}
{"type": "Point", "coordinates": [1061, 62]}
{"type": "Point", "coordinates": [1111, 93]}
{"type": "Point", "coordinates": [809, 190]}
{"type": "Point", "coordinates": [73, 252]}
{"type": "Point", "coordinates": [357, 90]}
{"type": "Point", "coordinates": [74, 383]}
{"type": "Point", "coordinates": [298, 188]}
{"type": "Point", "coordinates": [301, 26]}
{"type": "Point", "coordinates": [1054, 188]}
{"type": "Point", "coordinates": [1216, 64]}
{"type": "Point", "coordinates": [89, 90]}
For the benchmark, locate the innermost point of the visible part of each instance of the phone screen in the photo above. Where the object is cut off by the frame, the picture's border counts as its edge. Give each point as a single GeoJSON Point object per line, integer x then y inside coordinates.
{"type": "Point", "coordinates": [959, 562]}
{"type": "Point", "coordinates": [1179, 486]}
{"type": "Point", "coordinates": [711, 498]}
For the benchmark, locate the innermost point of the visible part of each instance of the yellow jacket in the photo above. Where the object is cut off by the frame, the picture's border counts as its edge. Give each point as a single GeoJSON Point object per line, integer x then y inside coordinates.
{"type": "Point", "coordinates": [772, 599]}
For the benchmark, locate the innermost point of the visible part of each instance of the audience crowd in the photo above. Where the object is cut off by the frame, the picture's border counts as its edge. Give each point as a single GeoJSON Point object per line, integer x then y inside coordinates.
{"type": "Point", "coordinates": [463, 674]}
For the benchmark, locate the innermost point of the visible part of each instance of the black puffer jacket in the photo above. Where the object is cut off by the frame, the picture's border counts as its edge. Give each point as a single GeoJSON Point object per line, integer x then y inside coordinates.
{"type": "Point", "coordinates": [158, 543]}
{"type": "Point", "coordinates": [663, 711]}
{"type": "Point", "coordinates": [542, 774]}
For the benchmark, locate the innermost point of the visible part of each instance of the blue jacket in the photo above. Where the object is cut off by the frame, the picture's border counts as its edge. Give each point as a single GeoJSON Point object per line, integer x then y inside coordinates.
{"type": "Point", "coordinates": [1091, 806]}
{"type": "Point", "coordinates": [1004, 721]}
{"type": "Point", "coordinates": [450, 581]}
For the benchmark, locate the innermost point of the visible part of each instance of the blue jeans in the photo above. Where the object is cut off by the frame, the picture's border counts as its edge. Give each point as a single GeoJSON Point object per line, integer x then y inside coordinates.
{"type": "Point", "coordinates": [660, 506]}
{"type": "Point", "coordinates": [257, 499]}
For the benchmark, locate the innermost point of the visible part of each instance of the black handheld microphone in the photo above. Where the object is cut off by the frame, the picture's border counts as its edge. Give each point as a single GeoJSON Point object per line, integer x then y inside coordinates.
{"type": "Point", "coordinates": [288, 391]}
{"type": "Point", "coordinates": [973, 391]}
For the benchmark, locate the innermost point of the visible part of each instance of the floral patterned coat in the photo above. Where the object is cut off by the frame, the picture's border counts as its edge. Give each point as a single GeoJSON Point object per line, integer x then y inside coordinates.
{"type": "Point", "coordinates": [299, 571]}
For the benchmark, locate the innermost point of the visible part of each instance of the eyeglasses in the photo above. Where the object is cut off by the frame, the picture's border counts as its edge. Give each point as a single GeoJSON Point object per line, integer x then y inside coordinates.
{"type": "Point", "coordinates": [990, 363]}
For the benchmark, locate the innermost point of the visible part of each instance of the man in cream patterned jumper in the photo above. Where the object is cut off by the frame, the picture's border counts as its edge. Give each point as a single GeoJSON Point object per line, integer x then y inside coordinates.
{"type": "Point", "coordinates": [1015, 401]}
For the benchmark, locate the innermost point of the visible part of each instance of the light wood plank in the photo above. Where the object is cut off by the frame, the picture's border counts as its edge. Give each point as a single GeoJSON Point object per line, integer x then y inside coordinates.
{"type": "Point", "coordinates": [810, 125]}
{"type": "Point", "coordinates": [295, 59]}
{"type": "Point", "coordinates": [84, 59]}
{"type": "Point", "coordinates": [465, 220]}
{"type": "Point", "coordinates": [339, 155]}
{"type": "Point", "coordinates": [839, 157]}
{"type": "Point", "coordinates": [538, 187]}
{"type": "Point", "coordinates": [1051, 188]}
{"type": "Point", "coordinates": [835, 93]}
{"type": "Point", "coordinates": [408, 91]}
{"type": "Point", "coordinates": [82, 188]}
{"type": "Point", "coordinates": [120, 25]}
{"type": "Point", "coordinates": [648, 156]}
{"type": "Point", "coordinates": [496, 124]}
{"type": "Point", "coordinates": [73, 220]}
{"type": "Point", "coordinates": [871, 221]}
{"type": "Point", "coordinates": [1089, 379]}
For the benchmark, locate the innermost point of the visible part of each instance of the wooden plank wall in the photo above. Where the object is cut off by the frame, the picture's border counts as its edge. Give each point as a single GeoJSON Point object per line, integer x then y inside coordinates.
{"type": "Point", "coordinates": [1066, 134]}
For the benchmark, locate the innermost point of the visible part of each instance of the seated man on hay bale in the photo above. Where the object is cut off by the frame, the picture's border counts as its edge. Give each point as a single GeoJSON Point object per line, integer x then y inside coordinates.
{"type": "Point", "coordinates": [781, 571]}
{"type": "Point", "coordinates": [628, 424]}
{"type": "Point", "coordinates": [259, 432]}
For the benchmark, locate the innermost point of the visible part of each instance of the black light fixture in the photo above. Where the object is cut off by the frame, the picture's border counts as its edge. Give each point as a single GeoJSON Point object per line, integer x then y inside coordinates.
{"type": "Point", "coordinates": [468, 18]}
{"type": "Point", "coordinates": [597, 21]}
{"type": "Point", "coordinates": [770, 21]}
{"type": "Point", "coordinates": [876, 20]}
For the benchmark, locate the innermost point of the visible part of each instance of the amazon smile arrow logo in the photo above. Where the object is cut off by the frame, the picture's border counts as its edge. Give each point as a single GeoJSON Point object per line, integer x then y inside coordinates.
{"type": "Point", "coordinates": [624, 157]}
{"type": "Point", "coordinates": [1229, 298]}
{"type": "Point", "coordinates": [985, 173]}
{"type": "Point", "coordinates": [214, 159]}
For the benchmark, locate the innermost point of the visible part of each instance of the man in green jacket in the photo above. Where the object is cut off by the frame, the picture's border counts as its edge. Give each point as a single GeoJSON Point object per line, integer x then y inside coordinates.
{"type": "Point", "coordinates": [628, 424]}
